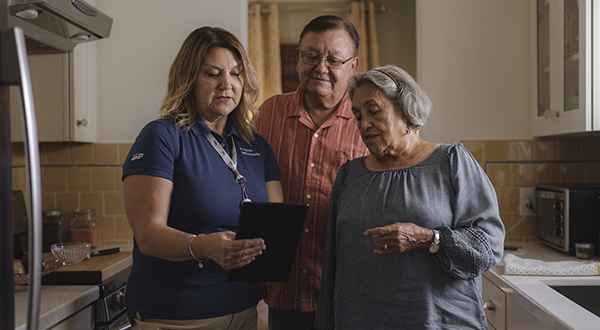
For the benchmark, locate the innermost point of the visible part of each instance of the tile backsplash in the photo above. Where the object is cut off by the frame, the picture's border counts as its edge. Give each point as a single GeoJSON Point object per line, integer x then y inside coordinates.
{"type": "Point", "coordinates": [84, 175]}
{"type": "Point", "coordinates": [515, 164]}
{"type": "Point", "coordinates": [81, 175]}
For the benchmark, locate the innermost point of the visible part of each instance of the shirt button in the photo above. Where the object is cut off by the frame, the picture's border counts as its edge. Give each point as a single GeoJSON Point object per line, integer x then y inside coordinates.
{"type": "Point", "coordinates": [223, 145]}
{"type": "Point", "coordinates": [312, 164]}
{"type": "Point", "coordinates": [316, 135]}
{"type": "Point", "coordinates": [306, 230]}
{"type": "Point", "coordinates": [308, 196]}
{"type": "Point", "coordinates": [304, 271]}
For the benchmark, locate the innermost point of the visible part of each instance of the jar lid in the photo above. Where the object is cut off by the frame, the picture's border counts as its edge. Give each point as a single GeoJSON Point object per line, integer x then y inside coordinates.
{"type": "Point", "coordinates": [84, 211]}
{"type": "Point", "coordinates": [52, 213]}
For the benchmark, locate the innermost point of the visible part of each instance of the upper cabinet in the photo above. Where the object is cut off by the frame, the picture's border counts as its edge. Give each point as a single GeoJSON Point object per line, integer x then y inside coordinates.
{"type": "Point", "coordinates": [64, 96]}
{"type": "Point", "coordinates": [565, 62]}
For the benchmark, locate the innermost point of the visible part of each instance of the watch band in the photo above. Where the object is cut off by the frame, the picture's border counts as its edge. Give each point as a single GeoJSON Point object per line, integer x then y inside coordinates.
{"type": "Point", "coordinates": [434, 247]}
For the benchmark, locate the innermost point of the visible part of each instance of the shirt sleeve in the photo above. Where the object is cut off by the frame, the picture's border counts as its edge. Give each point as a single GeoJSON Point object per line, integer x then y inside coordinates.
{"type": "Point", "coordinates": [324, 318]}
{"type": "Point", "coordinates": [271, 166]}
{"type": "Point", "coordinates": [153, 153]}
{"type": "Point", "coordinates": [475, 243]}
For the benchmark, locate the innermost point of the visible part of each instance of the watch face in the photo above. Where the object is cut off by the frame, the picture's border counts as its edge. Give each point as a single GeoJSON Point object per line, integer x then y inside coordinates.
{"type": "Point", "coordinates": [434, 248]}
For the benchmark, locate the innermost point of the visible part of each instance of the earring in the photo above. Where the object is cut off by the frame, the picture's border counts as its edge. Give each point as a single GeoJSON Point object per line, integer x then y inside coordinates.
{"type": "Point", "coordinates": [407, 131]}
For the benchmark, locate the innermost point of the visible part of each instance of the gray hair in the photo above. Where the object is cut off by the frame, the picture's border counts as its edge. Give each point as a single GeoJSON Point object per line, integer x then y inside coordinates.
{"type": "Point", "coordinates": [400, 88]}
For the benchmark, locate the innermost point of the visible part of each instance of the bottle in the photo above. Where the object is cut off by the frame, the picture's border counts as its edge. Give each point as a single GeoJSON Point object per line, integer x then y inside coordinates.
{"type": "Point", "coordinates": [55, 229]}
{"type": "Point", "coordinates": [84, 227]}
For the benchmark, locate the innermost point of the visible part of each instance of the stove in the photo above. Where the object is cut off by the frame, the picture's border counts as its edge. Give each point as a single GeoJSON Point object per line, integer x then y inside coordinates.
{"type": "Point", "coordinates": [109, 309]}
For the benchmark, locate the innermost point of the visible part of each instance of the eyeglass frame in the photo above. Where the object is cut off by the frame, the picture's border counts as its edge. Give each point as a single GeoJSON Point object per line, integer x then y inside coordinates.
{"type": "Point", "coordinates": [302, 55]}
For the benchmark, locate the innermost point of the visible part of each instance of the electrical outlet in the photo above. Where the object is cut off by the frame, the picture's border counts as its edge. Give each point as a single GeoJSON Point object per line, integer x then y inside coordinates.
{"type": "Point", "coordinates": [527, 201]}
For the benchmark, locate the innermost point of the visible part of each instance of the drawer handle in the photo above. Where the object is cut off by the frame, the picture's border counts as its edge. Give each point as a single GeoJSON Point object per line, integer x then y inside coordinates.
{"type": "Point", "coordinates": [489, 305]}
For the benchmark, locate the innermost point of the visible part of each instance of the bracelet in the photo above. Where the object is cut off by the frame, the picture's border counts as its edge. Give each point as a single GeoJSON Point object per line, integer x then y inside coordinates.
{"type": "Point", "coordinates": [189, 248]}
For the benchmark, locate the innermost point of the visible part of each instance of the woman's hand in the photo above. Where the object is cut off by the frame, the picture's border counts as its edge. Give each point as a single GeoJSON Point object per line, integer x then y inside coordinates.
{"type": "Point", "coordinates": [400, 237]}
{"type": "Point", "coordinates": [223, 249]}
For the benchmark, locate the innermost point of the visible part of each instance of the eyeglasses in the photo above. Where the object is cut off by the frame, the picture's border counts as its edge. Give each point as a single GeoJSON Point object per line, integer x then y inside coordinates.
{"type": "Point", "coordinates": [330, 62]}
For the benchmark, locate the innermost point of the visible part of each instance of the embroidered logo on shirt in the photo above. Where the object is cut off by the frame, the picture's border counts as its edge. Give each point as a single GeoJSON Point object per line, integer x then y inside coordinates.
{"type": "Point", "coordinates": [249, 152]}
{"type": "Point", "coordinates": [137, 156]}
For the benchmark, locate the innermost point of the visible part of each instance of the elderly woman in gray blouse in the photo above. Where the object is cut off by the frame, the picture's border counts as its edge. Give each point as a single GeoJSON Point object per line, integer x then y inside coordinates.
{"type": "Point", "coordinates": [412, 226]}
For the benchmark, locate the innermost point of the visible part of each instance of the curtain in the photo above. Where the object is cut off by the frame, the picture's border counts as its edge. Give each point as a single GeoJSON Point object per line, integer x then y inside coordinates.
{"type": "Point", "coordinates": [263, 48]}
{"type": "Point", "coordinates": [362, 15]}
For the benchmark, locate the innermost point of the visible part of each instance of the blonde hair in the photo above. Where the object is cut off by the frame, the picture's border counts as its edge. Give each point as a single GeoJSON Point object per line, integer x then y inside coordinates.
{"type": "Point", "coordinates": [180, 101]}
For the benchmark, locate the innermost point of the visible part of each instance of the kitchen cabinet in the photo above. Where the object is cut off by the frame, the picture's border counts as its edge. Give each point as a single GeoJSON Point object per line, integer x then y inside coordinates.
{"type": "Point", "coordinates": [64, 96]}
{"type": "Point", "coordinates": [519, 318]}
{"type": "Point", "coordinates": [503, 311]}
{"type": "Point", "coordinates": [565, 71]}
{"type": "Point", "coordinates": [494, 304]}
{"type": "Point", "coordinates": [83, 320]}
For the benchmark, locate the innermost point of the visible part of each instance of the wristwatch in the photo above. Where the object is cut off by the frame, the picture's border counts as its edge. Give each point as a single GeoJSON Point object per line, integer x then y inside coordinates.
{"type": "Point", "coordinates": [435, 245]}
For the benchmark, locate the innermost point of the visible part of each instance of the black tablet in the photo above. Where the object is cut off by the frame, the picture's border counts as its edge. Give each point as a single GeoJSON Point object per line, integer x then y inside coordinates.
{"type": "Point", "coordinates": [280, 225]}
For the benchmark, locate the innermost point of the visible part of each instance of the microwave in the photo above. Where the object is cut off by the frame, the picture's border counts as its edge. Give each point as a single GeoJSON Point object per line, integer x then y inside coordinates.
{"type": "Point", "coordinates": [568, 213]}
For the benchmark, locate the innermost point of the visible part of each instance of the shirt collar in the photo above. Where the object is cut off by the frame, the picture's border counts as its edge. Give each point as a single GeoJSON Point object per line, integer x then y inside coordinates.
{"type": "Point", "coordinates": [344, 109]}
{"type": "Point", "coordinates": [200, 128]}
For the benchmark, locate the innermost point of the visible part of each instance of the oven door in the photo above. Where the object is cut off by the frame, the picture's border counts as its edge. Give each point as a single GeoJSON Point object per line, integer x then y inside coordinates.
{"type": "Point", "coordinates": [119, 323]}
{"type": "Point", "coordinates": [110, 310]}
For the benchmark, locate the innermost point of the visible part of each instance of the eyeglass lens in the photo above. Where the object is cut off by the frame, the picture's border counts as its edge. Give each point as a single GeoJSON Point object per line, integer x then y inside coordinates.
{"type": "Point", "coordinates": [314, 59]}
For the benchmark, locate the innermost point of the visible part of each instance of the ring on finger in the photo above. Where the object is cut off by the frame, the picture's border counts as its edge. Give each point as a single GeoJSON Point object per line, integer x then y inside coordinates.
{"type": "Point", "coordinates": [385, 247]}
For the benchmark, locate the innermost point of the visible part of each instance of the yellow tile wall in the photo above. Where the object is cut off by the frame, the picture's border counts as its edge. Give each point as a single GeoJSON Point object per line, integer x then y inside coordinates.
{"type": "Point", "coordinates": [81, 175]}
{"type": "Point", "coordinates": [515, 164]}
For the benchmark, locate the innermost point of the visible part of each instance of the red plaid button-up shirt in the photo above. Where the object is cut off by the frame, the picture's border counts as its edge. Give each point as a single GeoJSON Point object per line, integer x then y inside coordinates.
{"type": "Point", "coordinates": [309, 159]}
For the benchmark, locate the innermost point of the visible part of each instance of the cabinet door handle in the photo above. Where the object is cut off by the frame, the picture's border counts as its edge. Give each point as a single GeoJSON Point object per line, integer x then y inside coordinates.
{"type": "Point", "coordinates": [551, 112]}
{"type": "Point", "coordinates": [83, 122]}
{"type": "Point", "coordinates": [489, 305]}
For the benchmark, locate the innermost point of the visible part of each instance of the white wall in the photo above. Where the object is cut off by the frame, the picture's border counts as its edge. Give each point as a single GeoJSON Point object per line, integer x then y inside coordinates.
{"type": "Point", "coordinates": [473, 59]}
{"type": "Point", "coordinates": [133, 63]}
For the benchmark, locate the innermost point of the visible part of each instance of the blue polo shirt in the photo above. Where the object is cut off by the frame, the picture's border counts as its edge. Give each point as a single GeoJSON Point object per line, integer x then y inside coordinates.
{"type": "Point", "coordinates": [205, 200]}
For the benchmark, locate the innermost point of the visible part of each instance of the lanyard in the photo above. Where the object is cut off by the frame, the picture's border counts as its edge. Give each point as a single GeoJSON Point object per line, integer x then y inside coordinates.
{"type": "Point", "coordinates": [231, 162]}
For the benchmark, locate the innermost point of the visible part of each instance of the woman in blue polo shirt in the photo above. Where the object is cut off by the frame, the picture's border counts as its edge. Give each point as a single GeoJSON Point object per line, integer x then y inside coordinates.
{"type": "Point", "coordinates": [183, 181]}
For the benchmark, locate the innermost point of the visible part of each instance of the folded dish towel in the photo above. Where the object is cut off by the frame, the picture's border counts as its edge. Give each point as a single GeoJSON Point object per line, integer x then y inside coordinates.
{"type": "Point", "coordinates": [520, 266]}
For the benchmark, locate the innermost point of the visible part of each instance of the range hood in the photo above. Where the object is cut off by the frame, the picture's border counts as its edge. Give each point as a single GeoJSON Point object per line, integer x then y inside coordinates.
{"type": "Point", "coordinates": [56, 26]}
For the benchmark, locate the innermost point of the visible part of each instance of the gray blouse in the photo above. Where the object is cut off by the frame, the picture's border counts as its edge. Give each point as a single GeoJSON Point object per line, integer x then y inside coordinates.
{"type": "Point", "coordinates": [448, 191]}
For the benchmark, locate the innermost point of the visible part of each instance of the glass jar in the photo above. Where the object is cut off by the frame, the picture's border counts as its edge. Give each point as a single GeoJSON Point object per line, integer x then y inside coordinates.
{"type": "Point", "coordinates": [55, 229]}
{"type": "Point", "coordinates": [84, 227]}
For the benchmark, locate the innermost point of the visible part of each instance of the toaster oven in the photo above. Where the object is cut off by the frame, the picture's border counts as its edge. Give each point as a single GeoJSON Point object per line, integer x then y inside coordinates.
{"type": "Point", "coordinates": [568, 213]}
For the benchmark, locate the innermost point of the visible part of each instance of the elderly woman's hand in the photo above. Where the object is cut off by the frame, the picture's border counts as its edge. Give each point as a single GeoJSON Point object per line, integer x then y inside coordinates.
{"type": "Point", "coordinates": [400, 237]}
{"type": "Point", "coordinates": [222, 248]}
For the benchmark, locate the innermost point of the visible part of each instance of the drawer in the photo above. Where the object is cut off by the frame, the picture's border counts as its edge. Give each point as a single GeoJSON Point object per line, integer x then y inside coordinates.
{"type": "Point", "coordinates": [494, 300]}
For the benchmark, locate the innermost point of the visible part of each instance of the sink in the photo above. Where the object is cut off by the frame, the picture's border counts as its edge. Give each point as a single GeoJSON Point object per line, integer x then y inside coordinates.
{"type": "Point", "coordinates": [587, 297]}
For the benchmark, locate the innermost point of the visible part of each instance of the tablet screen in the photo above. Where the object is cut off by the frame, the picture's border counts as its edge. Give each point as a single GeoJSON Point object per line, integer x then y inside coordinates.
{"type": "Point", "coordinates": [280, 226]}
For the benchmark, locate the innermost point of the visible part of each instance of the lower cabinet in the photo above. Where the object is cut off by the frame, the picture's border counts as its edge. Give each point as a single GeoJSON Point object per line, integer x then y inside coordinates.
{"type": "Point", "coordinates": [518, 317]}
{"type": "Point", "coordinates": [82, 320]}
{"type": "Point", "coordinates": [494, 303]}
{"type": "Point", "coordinates": [503, 311]}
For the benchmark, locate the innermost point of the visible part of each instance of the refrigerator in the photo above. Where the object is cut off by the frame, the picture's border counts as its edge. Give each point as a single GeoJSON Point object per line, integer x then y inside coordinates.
{"type": "Point", "coordinates": [14, 71]}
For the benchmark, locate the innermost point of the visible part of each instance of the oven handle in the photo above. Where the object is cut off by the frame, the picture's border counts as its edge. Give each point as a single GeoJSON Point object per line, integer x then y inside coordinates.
{"type": "Point", "coordinates": [125, 326]}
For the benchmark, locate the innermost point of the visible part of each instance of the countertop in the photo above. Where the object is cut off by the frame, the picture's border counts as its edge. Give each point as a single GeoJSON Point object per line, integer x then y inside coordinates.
{"type": "Point", "coordinates": [534, 292]}
{"type": "Point", "coordinates": [93, 270]}
{"type": "Point", "coordinates": [59, 301]}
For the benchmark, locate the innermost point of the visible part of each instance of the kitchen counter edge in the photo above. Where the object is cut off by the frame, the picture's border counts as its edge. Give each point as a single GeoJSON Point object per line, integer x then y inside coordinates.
{"type": "Point", "coordinates": [534, 292]}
